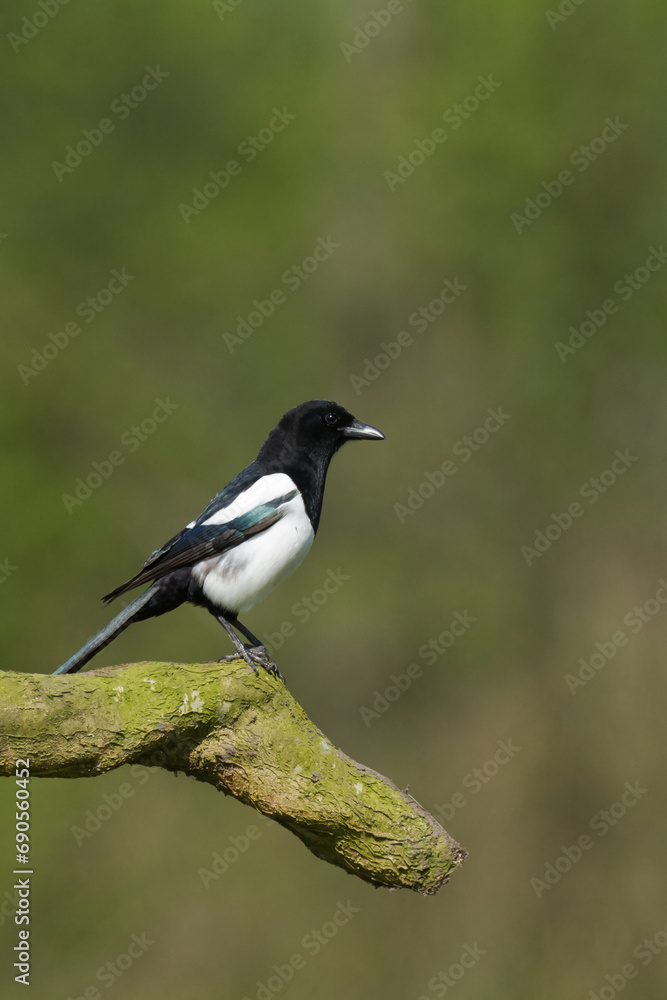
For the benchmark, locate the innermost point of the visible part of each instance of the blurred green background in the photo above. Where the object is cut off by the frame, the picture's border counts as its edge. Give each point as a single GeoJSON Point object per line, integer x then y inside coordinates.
{"type": "Point", "coordinates": [360, 99]}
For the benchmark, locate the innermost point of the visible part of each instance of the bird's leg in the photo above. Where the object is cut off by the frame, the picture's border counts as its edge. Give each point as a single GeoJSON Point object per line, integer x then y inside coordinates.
{"type": "Point", "coordinates": [253, 656]}
{"type": "Point", "coordinates": [238, 645]}
{"type": "Point", "coordinates": [247, 633]}
{"type": "Point", "coordinates": [258, 649]}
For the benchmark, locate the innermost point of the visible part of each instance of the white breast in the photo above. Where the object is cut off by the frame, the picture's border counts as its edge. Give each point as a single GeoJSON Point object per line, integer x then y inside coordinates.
{"type": "Point", "coordinates": [238, 579]}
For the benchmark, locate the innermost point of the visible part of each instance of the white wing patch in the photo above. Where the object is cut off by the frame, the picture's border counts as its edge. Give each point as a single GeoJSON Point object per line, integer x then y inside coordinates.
{"type": "Point", "coordinates": [238, 579]}
{"type": "Point", "coordinates": [266, 488]}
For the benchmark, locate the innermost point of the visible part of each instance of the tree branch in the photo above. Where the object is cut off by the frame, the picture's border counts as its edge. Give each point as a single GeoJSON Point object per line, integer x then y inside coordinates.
{"type": "Point", "coordinates": [241, 733]}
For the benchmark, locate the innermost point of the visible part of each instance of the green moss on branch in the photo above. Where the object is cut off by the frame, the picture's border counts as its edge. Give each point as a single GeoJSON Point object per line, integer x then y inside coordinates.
{"type": "Point", "coordinates": [241, 733]}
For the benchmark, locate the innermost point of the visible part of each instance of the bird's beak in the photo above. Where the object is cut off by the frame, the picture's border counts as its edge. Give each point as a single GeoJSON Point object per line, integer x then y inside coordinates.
{"type": "Point", "coordinates": [359, 430]}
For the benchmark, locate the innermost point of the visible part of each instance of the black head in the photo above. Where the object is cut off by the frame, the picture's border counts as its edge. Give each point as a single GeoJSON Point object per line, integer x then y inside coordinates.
{"type": "Point", "coordinates": [316, 429]}
{"type": "Point", "coordinates": [306, 439]}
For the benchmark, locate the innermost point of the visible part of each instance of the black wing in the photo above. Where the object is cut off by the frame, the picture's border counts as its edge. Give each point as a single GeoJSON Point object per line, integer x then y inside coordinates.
{"type": "Point", "coordinates": [192, 545]}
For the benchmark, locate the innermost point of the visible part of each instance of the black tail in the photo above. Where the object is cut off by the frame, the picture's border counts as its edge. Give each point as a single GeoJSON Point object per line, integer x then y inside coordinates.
{"type": "Point", "coordinates": [107, 634]}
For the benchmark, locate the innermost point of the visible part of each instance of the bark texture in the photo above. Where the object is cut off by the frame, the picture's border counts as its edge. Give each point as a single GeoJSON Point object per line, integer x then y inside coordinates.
{"type": "Point", "coordinates": [241, 733]}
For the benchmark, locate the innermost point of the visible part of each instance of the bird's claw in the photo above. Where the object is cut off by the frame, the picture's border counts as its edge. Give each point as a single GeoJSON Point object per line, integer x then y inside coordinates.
{"type": "Point", "coordinates": [255, 656]}
{"type": "Point", "coordinates": [258, 656]}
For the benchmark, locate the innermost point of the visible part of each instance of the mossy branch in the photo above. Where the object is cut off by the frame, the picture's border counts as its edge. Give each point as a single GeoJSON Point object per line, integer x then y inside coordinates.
{"type": "Point", "coordinates": [241, 733]}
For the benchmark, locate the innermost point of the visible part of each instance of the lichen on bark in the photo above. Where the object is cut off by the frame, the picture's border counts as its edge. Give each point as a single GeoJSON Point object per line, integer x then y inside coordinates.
{"type": "Point", "coordinates": [245, 735]}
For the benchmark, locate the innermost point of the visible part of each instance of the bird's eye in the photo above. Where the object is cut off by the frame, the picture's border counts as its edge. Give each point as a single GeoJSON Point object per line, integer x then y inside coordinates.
{"type": "Point", "coordinates": [331, 418]}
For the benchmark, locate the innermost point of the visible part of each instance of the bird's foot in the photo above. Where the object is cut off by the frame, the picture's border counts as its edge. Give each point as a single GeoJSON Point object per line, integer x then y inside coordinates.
{"type": "Point", "coordinates": [255, 656]}
{"type": "Point", "coordinates": [258, 656]}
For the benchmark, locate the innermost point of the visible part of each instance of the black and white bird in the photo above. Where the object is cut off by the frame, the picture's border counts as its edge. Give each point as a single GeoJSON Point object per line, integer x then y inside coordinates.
{"type": "Point", "coordinates": [252, 535]}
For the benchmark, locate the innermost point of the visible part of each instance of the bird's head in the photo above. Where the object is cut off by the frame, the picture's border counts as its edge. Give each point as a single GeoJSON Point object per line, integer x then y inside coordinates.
{"type": "Point", "coordinates": [316, 429]}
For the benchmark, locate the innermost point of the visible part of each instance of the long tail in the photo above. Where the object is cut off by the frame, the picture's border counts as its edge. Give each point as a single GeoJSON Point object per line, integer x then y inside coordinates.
{"type": "Point", "coordinates": [107, 634]}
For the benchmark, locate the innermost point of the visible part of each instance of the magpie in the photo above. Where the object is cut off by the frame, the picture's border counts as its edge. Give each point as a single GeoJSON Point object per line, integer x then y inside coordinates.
{"type": "Point", "coordinates": [252, 534]}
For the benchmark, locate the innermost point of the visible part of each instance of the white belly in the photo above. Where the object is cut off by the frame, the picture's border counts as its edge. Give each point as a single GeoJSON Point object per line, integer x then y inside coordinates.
{"type": "Point", "coordinates": [238, 579]}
